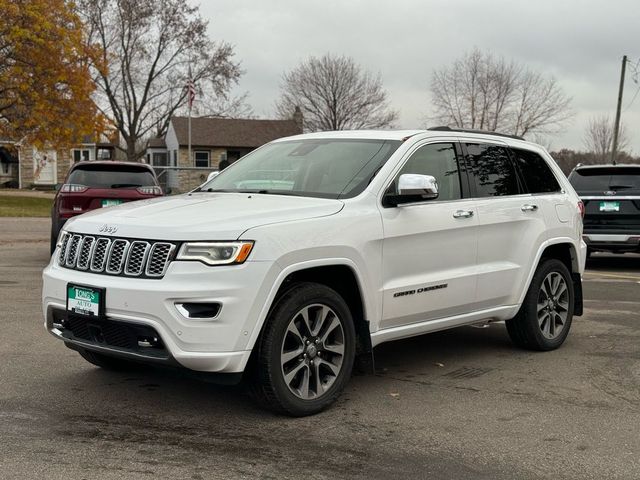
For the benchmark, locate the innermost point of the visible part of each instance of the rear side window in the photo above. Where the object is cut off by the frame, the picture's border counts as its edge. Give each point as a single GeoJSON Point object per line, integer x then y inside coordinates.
{"type": "Point", "coordinates": [536, 174]}
{"type": "Point", "coordinates": [492, 171]}
{"type": "Point", "coordinates": [604, 179]}
{"type": "Point", "coordinates": [104, 176]}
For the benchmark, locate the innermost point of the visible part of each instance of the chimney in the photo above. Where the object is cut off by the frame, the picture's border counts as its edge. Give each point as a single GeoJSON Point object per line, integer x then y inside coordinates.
{"type": "Point", "coordinates": [298, 118]}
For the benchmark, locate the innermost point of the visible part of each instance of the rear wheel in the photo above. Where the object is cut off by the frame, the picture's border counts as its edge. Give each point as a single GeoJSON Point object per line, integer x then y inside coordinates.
{"type": "Point", "coordinates": [104, 361]}
{"type": "Point", "coordinates": [306, 352]}
{"type": "Point", "coordinates": [545, 316]}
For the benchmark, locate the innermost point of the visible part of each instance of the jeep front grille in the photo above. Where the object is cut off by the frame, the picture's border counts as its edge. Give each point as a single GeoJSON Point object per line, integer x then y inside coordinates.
{"type": "Point", "coordinates": [115, 256]}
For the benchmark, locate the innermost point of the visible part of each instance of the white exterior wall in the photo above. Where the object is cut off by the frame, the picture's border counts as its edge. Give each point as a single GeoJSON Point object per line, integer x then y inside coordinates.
{"type": "Point", "coordinates": [170, 139]}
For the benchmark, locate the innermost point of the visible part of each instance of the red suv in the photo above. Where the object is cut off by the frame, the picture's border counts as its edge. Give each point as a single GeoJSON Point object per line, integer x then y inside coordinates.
{"type": "Point", "coordinates": [95, 184]}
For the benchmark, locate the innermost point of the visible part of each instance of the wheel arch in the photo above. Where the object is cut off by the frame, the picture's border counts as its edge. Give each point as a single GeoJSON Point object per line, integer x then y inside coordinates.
{"type": "Point", "coordinates": [565, 250]}
{"type": "Point", "coordinates": [343, 276]}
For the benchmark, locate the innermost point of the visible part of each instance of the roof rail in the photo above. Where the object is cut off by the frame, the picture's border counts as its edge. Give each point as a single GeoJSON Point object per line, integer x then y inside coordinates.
{"type": "Point", "coordinates": [444, 128]}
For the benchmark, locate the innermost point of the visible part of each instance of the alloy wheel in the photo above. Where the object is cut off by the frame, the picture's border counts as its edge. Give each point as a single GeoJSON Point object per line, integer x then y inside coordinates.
{"type": "Point", "coordinates": [553, 305]}
{"type": "Point", "coordinates": [312, 351]}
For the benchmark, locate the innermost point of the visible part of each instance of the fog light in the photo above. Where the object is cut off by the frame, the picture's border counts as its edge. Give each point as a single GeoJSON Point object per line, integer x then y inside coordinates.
{"type": "Point", "coordinates": [147, 342]}
{"type": "Point", "coordinates": [199, 311]}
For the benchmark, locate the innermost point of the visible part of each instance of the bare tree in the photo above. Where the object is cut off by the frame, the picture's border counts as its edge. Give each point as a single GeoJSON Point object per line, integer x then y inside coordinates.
{"type": "Point", "coordinates": [481, 91]}
{"type": "Point", "coordinates": [598, 137]}
{"type": "Point", "coordinates": [334, 93]}
{"type": "Point", "coordinates": [148, 47]}
{"type": "Point", "coordinates": [225, 106]}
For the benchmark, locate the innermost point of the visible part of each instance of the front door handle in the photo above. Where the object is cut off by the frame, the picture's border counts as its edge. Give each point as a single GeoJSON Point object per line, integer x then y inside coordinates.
{"type": "Point", "coordinates": [529, 208]}
{"type": "Point", "coordinates": [463, 214]}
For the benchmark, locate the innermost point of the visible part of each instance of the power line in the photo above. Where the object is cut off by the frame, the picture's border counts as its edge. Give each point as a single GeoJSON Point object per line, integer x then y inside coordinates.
{"type": "Point", "coordinates": [632, 99]}
{"type": "Point", "coordinates": [635, 73]}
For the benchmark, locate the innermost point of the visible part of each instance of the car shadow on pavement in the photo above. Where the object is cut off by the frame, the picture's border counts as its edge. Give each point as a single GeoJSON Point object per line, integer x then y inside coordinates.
{"type": "Point", "coordinates": [161, 391]}
{"type": "Point", "coordinates": [627, 262]}
{"type": "Point", "coordinates": [439, 351]}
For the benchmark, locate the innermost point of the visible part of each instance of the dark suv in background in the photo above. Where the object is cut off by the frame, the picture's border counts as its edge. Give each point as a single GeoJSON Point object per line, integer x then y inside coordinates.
{"type": "Point", "coordinates": [611, 195]}
{"type": "Point", "coordinates": [97, 184]}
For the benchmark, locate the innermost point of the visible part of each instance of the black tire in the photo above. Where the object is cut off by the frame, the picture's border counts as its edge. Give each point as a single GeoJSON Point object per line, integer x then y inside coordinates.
{"type": "Point", "coordinates": [525, 329]}
{"type": "Point", "coordinates": [106, 362]}
{"type": "Point", "coordinates": [268, 382]}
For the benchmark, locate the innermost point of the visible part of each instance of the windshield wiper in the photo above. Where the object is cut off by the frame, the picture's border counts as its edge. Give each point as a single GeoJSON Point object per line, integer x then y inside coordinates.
{"type": "Point", "coordinates": [271, 192]}
{"type": "Point", "coordinates": [218, 190]}
{"type": "Point", "coordinates": [259, 191]}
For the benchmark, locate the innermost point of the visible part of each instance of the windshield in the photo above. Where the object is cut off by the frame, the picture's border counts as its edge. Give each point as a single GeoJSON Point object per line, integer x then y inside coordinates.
{"type": "Point", "coordinates": [328, 168]}
{"type": "Point", "coordinates": [104, 176]}
{"type": "Point", "coordinates": [606, 179]}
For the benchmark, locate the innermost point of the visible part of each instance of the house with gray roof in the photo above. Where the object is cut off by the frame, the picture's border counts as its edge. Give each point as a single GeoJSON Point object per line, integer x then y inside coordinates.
{"type": "Point", "coordinates": [215, 144]}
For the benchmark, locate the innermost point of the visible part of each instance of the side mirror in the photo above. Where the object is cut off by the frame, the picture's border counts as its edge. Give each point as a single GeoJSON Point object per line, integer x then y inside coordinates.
{"type": "Point", "coordinates": [425, 186]}
{"type": "Point", "coordinates": [213, 175]}
{"type": "Point", "coordinates": [413, 187]}
{"type": "Point", "coordinates": [57, 187]}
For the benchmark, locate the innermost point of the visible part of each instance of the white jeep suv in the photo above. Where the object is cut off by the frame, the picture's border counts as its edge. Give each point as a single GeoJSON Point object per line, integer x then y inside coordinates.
{"type": "Point", "coordinates": [313, 249]}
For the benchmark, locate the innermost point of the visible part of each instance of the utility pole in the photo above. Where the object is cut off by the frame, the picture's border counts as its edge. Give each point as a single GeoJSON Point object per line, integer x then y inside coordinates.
{"type": "Point", "coordinates": [616, 126]}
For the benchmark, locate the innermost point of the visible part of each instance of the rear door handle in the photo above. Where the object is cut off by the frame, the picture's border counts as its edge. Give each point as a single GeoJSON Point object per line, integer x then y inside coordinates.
{"type": "Point", "coordinates": [463, 214]}
{"type": "Point", "coordinates": [529, 208]}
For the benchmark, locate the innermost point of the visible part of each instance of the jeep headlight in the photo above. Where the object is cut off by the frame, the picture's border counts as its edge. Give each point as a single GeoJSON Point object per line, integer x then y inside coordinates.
{"type": "Point", "coordinates": [215, 253]}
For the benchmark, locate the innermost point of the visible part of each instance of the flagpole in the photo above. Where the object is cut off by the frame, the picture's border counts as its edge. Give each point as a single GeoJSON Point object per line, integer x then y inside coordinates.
{"type": "Point", "coordinates": [190, 100]}
{"type": "Point", "coordinates": [189, 135]}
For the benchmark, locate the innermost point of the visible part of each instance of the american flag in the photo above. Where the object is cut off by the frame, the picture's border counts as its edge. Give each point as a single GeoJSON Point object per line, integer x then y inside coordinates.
{"type": "Point", "coordinates": [191, 91]}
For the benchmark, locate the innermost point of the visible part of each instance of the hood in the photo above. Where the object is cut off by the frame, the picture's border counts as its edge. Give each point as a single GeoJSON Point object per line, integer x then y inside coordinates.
{"type": "Point", "coordinates": [201, 216]}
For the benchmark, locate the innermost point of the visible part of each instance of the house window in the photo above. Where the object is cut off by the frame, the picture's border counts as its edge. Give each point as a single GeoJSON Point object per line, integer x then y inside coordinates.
{"type": "Point", "coordinates": [81, 155]}
{"type": "Point", "coordinates": [160, 159]}
{"type": "Point", "coordinates": [202, 159]}
{"type": "Point", "coordinates": [175, 158]}
{"type": "Point", "coordinates": [104, 154]}
{"type": "Point", "coordinates": [233, 155]}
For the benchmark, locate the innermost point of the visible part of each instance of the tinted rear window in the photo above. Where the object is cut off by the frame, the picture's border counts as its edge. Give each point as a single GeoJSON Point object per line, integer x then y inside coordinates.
{"type": "Point", "coordinates": [105, 176]}
{"type": "Point", "coordinates": [492, 170]}
{"type": "Point", "coordinates": [537, 175]}
{"type": "Point", "coordinates": [605, 179]}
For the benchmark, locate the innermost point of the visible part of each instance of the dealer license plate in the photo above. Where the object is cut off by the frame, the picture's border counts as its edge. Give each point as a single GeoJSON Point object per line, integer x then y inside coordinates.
{"type": "Point", "coordinates": [85, 300]}
{"type": "Point", "coordinates": [111, 202]}
{"type": "Point", "coordinates": [609, 206]}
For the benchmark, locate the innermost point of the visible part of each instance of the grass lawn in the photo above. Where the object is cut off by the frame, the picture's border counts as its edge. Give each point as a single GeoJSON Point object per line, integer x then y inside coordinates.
{"type": "Point", "coordinates": [20, 206]}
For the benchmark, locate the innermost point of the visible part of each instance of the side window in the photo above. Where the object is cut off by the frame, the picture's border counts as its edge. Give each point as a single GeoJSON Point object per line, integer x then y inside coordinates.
{"type": "Point", "coordinates": [537, 175]}
{"type": "Point", "coordinates": [491, 170]}
{"type": "Point", "coordinates": [438, 160]}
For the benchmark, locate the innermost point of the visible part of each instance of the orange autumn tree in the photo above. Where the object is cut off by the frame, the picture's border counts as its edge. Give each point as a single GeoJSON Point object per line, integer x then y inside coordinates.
{"type": "Point", "coordinates": [45, 83]}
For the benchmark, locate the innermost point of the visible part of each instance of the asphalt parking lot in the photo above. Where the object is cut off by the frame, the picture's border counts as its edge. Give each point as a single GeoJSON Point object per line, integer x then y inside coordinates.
{"type": "Point", "coordinates": [457, 404]}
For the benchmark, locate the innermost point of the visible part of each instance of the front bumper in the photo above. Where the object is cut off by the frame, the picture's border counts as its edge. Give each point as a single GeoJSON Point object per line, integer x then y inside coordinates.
{"type": "Point", "coordinates": [219, 344]}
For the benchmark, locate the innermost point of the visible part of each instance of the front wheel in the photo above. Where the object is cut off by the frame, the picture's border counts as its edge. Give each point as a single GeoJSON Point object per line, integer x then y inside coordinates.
{"type": "Point", "coordinates": [306, 351]}
{"type": "Point", "coordinates": [544, 319]}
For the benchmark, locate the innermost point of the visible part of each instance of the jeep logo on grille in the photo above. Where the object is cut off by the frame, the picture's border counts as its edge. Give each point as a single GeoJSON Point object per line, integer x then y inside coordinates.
{"type": "Point", "coordinates": [109, 229]}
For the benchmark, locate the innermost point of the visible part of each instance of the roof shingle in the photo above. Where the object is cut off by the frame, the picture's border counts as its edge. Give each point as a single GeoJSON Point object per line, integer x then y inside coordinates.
{"type": "Point", "coordinates": [157, 142]}
{"type": "Point", "coordinates": [232, 132]}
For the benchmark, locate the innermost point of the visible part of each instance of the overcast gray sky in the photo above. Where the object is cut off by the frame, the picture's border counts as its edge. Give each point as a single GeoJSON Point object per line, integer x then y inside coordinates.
{"type": "Point", "coordinates": [580, 42]}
